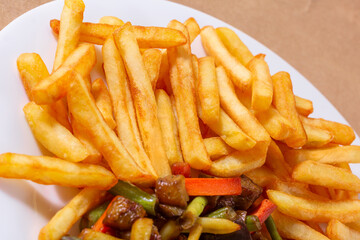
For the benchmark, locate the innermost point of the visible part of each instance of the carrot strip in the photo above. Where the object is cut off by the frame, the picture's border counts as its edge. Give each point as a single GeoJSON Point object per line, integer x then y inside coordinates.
{"type": "Point", "coordinates": [264, 210]}
{"type": "Point", "coordinates": [213, 186]}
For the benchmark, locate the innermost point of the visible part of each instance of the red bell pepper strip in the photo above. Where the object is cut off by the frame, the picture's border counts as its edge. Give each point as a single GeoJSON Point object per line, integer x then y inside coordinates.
{"type": "Point", "coordinates": [181, 168]}
{"type": "Point", "coordinates": [264, 210]}
{"type": "Point", "coordinates": [213, 186]}
{"type": "Point", "coordinates": [99, 226]}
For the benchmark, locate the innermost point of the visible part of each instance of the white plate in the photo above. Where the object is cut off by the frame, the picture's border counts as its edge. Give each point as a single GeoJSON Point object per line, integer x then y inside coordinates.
{"type": "Point", "coordinates": [25, 206]}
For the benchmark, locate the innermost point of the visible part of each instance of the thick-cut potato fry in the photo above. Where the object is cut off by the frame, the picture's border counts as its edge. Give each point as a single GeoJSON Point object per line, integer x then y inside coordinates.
{"type": "Point", "coordinates": [326, 175]}
{"type": "Point", "coordinates": [193, 28]}
{"type": "Point", "coordinates": [182, 84]}
{"type": "Point", "coordinates": [127, 128]}
{"type": "Point", "coordinates": [216, 147]}
{"type": "Point", "coordinates": [240, 75]}
{"type": "Point", "coordinates": [69, 32]}
{"type": "Point", "coordinates": [147, 37]}
{"type": "Point", "coordinates": [319, 190]}
{"type": "Point", "coordinates": [234, 45]}
{"type": "Point", "coordinates": [164, 75]}
{"type": "Point", "coordinates": [111, 20]}
{"type": "Point", "coordinates": [55, 171]}
{"type": "Point", "coordinates": [292, 228]}
{"type": "Point", "coordinates": [217, 225]}
{"type": "Point", "coordinates": [315, 226]}
{"type": "Point", "coordinates": [276, 162]}
{"type": "Point", "coordinates": [262, 176]}
{"type": "Point", "coordinates": [343, 134]}
{"type": "Point", "coordinates": [237, 111]}
{"type": "Point", "coordinates": [303, 106]}
{"type": "Point", "coordinates": [141, 229]}
{"type": "Point", "coordinates": [208, 91]}
{"type": "Point", "coordinates": [64, 219]}
{"type": "Point", "coordinates": [144, 99]}
{"type": "Point", "coordinates": [103, 101]}
{"type": "Point", "coordinates": [316, 137]}
{"type": "Point", "coordinates": [90, 234]}
{"type": "Point", "coordinates": [262, 89]}
{"type": "Point", "coordinates": [275, 124]}
{"type": "Point", "coordinates": [354, 225]}
{"type": "Point", "coordinates": [83, 108]}
{"type": "Point", "coordinates": [195, 232]}
{"type": "Point", "coordinates": [168, 127]}
{"type": "Point", "coordinates": [52, 135]}
{"type": "Point", "coordinates": [339, 231]}
{"type": "Point", "coordinates": [152, 61]}
{"type": "Point", "coordinates": [54, 87]}
{"type": "Point", "coordinates": [237, 163]}
{"type": "Point", "coordinates": [331, 155]}
{"type": "Point", "coordinates": [314, 210]}
{"type": "Point", "coordinates": [284, 102]}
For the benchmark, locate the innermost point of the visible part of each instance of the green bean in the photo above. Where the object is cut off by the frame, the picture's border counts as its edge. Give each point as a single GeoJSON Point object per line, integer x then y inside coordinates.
{"type": "Point", "coordinates": [225, 212]}
{"type": "Point", "coordinates": [252, 223]}
{"type": "Point", "coordinates": [192, 212]}
{"type": "Point", "coordinates": [125, 189]}
{"type": "Point", "coordinates": [271, 227]}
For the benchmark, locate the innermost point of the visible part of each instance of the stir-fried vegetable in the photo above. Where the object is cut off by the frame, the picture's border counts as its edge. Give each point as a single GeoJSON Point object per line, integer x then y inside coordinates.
{"type": "Point", "coordinates": [192, 212]}
{"type": "Point", "coordinates": [225, 212]}
{"type": "Point", "coordinates": [252, 223]}
{"type": "Point", "coordinates": [213, 186]}
{"type": "Point", "coordinates": [271, 227]}
{"type": "Point", "coordinates": [264, 210]}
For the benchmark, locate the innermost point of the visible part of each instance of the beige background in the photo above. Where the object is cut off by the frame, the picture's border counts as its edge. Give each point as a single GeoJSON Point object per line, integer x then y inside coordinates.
{"type": "Point", "coordinates": [320, 38]}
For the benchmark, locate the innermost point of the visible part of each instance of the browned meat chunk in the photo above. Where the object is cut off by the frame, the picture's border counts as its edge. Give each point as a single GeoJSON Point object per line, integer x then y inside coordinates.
{"type": "Point", "coordinates": [171, 190]}
{"type": "Point", "coordinates": [170, 211]}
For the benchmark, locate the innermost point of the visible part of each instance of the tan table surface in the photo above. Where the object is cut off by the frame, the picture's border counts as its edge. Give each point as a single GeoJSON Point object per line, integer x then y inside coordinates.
{"type": "Point", "coordinates": [319, 38]}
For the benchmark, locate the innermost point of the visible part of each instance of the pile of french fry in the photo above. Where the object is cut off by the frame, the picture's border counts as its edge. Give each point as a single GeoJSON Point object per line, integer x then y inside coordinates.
{"type": "Point", "coordinates": [224, 114]}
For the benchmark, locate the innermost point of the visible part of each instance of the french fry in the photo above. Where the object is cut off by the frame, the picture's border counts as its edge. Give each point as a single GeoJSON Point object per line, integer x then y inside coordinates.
{"type": "Point", "coordinates": [275, 124]}
{"type": "Point", "coordinates": [276, 162]}
{"type": "Point", "coordinates": [168, 127]}
{"type": "Point", "coordinates": [216, 147]}
{"type": "Point", "coordinates": [234, 45]}
{"type": "Point", "coordinates": [111, 20]}
{"type": "Point", "coordinates": [152, 61]}
{"type": "Point", "coordinates": [69, 32]}
{"type": "Point", "coordinates": [303, 106]}
{"type": "Point", "coordinates": [144, 99]}
{"type": "Point", "coordinates": [90, 234]}
{"type": "Point", "coordinates": [316, 137]}
{"type": "Point", "coordinates": [55, 171]}
{"type": "Point", "coordinates": [354, 225]}
{"type": "Point", "coordinates": [284, 102]}
{"type": "Point", "coordinates": [326, 175]}
{"type": "Point", "coordinates": [262, 89]}
{"type": "Point", "coordinates": [214, 47]}
{"type": "Point", "coordinates": [103, 101]}
{"type": "Point", "coordinates": [83, 109]}
{"type": "Point", "coordinates": [319, 190]}
{"type": "Point", "coordinates": [339, 231]}
{"type": "Point", "coordinates": [52, 135]}
{"type": "Point", "coordinates": [314, 226]}
{"type": "Point", "coordinates": [182, 84]}
{"type": "Point", "coordinates": [292, 228]}
{"type": "Point", "coordinates": [343, 134]}
{"type": "Point", "coordinates": [193, 28]}
{"type": "Point", "coordinates": [262, 176]}
{"type": "Point", "coordinates": [237, 111]}
{"type": "Point", "coordinates": [147, 37]}
{"type": "Point", "coordinates": [208, 91]}
{"type": "Point", "coordinates": [195, 65]}
{"type": "Point", "coordinates": [314, 210]}
{"type": "Point", "coordinates": [127, 129]}
{"type": "Point", "coordinates": [164, 75]}
{"type": "Point", "coordinates": [141, 229]}
{"type": "Point", "coordinates": [64, 219]}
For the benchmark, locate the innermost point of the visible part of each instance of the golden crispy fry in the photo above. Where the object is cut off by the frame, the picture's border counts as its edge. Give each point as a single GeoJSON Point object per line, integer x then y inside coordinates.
{"type": "Point", "coordinates": [208, 91]}
{"type": "Point", "coordinates": [89, 234]}
{"type": "Point", "coordinates": [152, 61]}
{"type": "Point", "coordinates": [111, 20]}
{"type": "Point", "coordinates": [237, 163]}
{"type": "Point", "coordinates": [195, 65]}
{"type": "Point", "coordinates": [52, 135]}
{"type": "Point", "coordinates": [144, 99]}
{"type": "Point", "coordinates": [284, 102]}
{"type": "Point", "coordinates": [315, 226]}
{"type": "Point", "coordinates": [354, 225]}
{"type": "Point", "coordinates": [217, 225]}
{"type": "Point", "coordinates": [64, 219]}
{"type": "Point", "coordinates": [55, 171]}
{"type": "Point", "coordinates": [147, 37]}
{"type": "Point", "coordinates": [54, 87]}
{"type": "Point", "coordinates": [83, 108]}
{"type": "Point", "coordinates": [303, 106]}
{"type": "Point", "coordinates": [276, 162]}
{"type": "Point", "coordinates": [216, 147]}
{"type": "Point", "coordinates": [319, 190]}
{"type": "Point", "coordinates": [234, 45]}
{"type": "Point", "coordinates": [168, 127]}
{"type": "Point", "coordinates": [103, 101]}
{"type": "Point", "coordinates": [292, 228]}
{"type": "Point", "coordinates": [195, 232]}
{"type": "Point", "coordinates": [262, 176]}
{"type": "Point", "coordinates": [182, 83]}
{"type": "Point", "coordinates": [164, 75]}
{"type": "Point", "coordinates": [314, 210]}
{"type": "Point", "coordinates": [317, 137]}
{"type": "Point", "coordinates": [214, 47]}
{"type": "Point", "coordinates": [339, 231]}
{"type": "Point", "coordinates": [262, 89]}
{"type": "Point", "coordinates": [141, 229]}
{"type": "Point", "coordinates": [343, 134]}
{"type": "Point", "coordinates": [69, 32]}
{"type": "Point", "coordinates": [326, 175]}
{"type": "Point", "coordinates": [193, 28]}
{"type": "Point", "coordinates": [275, 124]}
{"type": "Point", "coordinates": [237, 111]}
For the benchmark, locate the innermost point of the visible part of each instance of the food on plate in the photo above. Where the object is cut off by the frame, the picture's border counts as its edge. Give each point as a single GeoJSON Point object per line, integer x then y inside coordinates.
{"type": "Point", "coordinates": [171, 145]}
